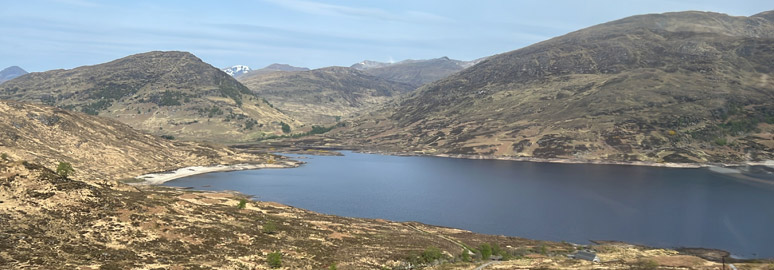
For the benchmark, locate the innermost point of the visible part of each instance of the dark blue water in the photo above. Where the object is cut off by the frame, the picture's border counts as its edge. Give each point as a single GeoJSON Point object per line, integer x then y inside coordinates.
{"type": "Point", "coordinates": [661, 207]}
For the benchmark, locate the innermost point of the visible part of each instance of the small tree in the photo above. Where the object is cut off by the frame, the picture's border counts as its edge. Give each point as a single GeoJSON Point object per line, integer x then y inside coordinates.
{"type": "Point", "coordinates": [496, 249]}
{"type": "Point", "coordinates": [64, 169]}
{"type": "Point", "coordinates": [486, 251]}
{"type": "Point", "coordinates": [242, 204]}
{"type": "Point", "coordinates": [274, 259]}
{"type": "Point", "coordinates": [285, 127]}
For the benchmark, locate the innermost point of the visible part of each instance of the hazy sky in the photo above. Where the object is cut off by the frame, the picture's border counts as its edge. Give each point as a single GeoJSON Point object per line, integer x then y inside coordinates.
{"type": "Point", "coordinates": [39, 35]}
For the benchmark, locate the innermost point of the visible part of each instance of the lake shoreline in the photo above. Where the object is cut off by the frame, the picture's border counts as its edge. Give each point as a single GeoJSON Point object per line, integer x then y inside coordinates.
{"type": "Point", "coordinates": [159, 178]}
{"type": "Point", "coordinates": [330, 149]}
{"type": "Point", "coordinates": [769, 163]}
{"type": "Point", "coordinates": [184, 172]}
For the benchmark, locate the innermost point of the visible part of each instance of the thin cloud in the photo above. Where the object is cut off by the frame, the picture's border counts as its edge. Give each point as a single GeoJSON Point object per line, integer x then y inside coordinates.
{"type": "Point", "coordinates": [316, 8]}
{"type": "Point", "coordinates": [80, 3]}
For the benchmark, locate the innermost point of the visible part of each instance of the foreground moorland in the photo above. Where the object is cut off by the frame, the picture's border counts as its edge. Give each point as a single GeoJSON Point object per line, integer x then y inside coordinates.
{"type": "Point", "coordinates": [687, 87]}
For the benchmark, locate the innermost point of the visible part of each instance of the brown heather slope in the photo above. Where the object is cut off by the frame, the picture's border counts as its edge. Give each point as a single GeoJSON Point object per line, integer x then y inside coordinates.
{"type": "Point", "coordinates": [165, 93]}
{"type": "Point", "coordinates": [98, 148]}
{"type": "Point", "coordinates": [673, 87]}
{"type": "Point", "coordinates": [322, 96]}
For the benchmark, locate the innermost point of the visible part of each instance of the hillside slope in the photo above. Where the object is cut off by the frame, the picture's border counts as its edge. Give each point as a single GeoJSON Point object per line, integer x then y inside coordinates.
{"type": "Point", "coordinates": [323, 95]}
{"type": "Point", "coordinates": [170, 93]}
{"type": "Point", "coordinates": [674, 87]}
{"type": "Point", "coordinates": [98, 148]}
{"type": "Point", "coordinates": [415, 72]}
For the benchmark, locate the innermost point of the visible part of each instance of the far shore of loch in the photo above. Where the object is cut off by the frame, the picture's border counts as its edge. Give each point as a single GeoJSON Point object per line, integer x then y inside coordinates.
{"type": "Point", "coordinates": [159, 178]}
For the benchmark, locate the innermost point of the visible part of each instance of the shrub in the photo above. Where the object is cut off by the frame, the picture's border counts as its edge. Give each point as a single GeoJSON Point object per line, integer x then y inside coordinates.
{"type": "Point", "coordinates": [64, 169]}
{"type": "Point", "coordinates": [431, 254]}
{"type": "Point", "coordinates": [645, 264]}
{"type": "Point", "coordinates": [168, 137]}
{"type": "Point", "coordinates": [496, 249]}
{"type": "Point", "coordinates": [4, 156]}
{"type": "Point", "coordinates": [274, 259]}
{"type": "Point", "coordinates": [269, 227]}
{"type": "Point", "coordinates": [285, 127]}
{"type": "Point", "coordinates": [332, 267]}
{"type": "Point", "coordinates": [486, 251]}
{"type": "Point", "coordinates": [250, 123]}
{"type": "Point", "coordinates": [721, 141]}
{"type": "Point", "coordinates": [465, 255]}
{"type": "Point", "coordinates": [267, 103]}
{"type": "Point", "coordinates": [242, 204]}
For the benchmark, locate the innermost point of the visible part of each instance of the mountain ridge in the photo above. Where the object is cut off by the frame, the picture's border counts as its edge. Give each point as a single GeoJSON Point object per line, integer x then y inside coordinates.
{"type": "Point", "coordinates": [166, 93]}
{"type": "Point", "coordinates": [673, 87]}
{"type": "Point", "coordinates": [322, 96]}
{"type": "Point", "coordinates": [415, 72]}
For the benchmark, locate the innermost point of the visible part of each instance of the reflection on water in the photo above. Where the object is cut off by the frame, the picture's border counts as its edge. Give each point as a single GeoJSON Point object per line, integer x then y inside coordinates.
{"type": "Point", "coordinates": [562, 202]}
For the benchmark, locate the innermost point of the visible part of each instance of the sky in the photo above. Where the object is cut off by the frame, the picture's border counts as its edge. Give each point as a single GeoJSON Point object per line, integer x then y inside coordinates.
{"type": "Point", "coordinates": [40, 35]}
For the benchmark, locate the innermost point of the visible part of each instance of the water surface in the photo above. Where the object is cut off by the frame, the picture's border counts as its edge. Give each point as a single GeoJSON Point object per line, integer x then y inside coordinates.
{"type": "Point", "coordinates": [663, 207]}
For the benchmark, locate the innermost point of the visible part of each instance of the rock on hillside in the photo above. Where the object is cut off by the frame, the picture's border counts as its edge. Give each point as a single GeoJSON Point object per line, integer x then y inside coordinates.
{"type": "Point", "coordinates": [673, 87]}
{"type": "Point", "coordinates": [165, 93]}
{"type": "Point", "coordinates": [322, 96]}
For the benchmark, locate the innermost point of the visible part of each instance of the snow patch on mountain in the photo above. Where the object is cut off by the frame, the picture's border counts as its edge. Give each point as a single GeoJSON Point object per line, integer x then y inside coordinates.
{"type": "Point", "coordinates": [237, 70]}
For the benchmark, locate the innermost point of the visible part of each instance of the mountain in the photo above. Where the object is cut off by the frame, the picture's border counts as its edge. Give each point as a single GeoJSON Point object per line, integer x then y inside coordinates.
{"type": "Point", "coordinates": [415, 72]}
{"type": "Point", "coordinates": [283, 67]}
{"type": "Point", "coordinates": [322, 96]}
{"type": "Point", "coordinates": [165, 93]}
{"type": "Point", "coordinates": [240, 70]}
{"type": "Point", "coordinates": [237, 70]}
{"type": "Point", "coordinates": [10, 73]}
{"type": "Point", "coordinates": [274, 68]}
{"type": "Point", "coordinates": [369, 64]}
{"type": "Point", "coordinates": [673, 87]}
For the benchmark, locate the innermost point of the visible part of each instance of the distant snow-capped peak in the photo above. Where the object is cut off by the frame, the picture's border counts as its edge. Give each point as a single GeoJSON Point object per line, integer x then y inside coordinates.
{"type": "Point", "coordinates": [237, 70]}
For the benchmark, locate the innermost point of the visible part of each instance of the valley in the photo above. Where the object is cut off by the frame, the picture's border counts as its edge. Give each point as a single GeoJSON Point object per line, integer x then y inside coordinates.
{"type": "Point", "coordinates": [84, 151]}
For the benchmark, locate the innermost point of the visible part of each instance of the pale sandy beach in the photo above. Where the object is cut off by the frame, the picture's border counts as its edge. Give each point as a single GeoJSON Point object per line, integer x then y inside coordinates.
{"type": "Point", "coordinates": [160, 178]}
